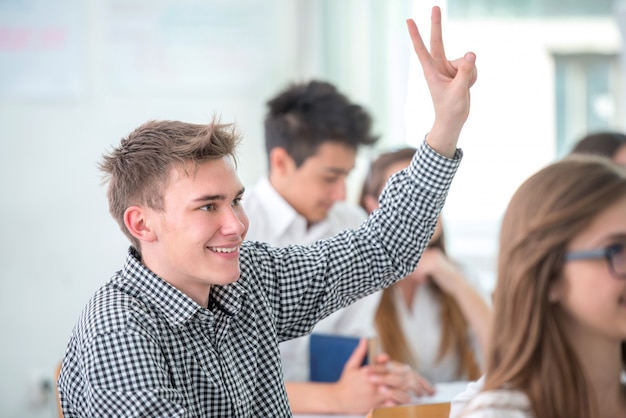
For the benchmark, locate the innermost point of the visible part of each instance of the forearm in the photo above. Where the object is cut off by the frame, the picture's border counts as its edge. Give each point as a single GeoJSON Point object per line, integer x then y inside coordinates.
{"type": "Point", "coordinates": [312, 398]}
{"type": "Point", "coordinates": [408, 223]}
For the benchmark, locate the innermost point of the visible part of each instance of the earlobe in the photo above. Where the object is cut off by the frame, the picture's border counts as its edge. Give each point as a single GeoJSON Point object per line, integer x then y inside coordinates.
{"type": "Point", "coordinates": [554, 293]}
{"type": "Point", "coordinates": [136, 221]}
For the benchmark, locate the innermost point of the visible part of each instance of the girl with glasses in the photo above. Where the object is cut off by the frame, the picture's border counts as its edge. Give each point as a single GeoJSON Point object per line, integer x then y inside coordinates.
{"type": "Point", "coordinates": [557, 345]}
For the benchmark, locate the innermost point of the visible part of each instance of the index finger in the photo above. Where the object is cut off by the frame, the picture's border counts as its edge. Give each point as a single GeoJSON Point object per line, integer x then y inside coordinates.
{"type": "Point", "coordinates": [356, 358]}
{"type": "Point", "coordinates": [418, 44]}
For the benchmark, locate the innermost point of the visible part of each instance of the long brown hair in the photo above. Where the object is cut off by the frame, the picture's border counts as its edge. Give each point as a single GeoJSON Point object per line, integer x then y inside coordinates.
{"type": "Point", "coordinates": [529, 351]}
{"type": "Point", "coordinates": [386, 320]}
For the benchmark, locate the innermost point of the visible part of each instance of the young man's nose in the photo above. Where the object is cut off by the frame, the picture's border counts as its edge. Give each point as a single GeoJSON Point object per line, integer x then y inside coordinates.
{"type": "Point", "coordinates": [233, 222]}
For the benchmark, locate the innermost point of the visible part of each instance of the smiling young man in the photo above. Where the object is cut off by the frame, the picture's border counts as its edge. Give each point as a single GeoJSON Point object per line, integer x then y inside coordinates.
{"type": "Point", "coordinates": [190, 326]}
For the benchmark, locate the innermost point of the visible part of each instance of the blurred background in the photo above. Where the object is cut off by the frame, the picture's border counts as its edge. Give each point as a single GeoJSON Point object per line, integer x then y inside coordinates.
{"type": "Point", "coordinates": [78, 75]}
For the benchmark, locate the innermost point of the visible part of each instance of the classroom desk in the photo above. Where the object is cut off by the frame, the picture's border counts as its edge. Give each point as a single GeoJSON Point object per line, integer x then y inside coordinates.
{"type": "Point", "coordinates": [444, 393]}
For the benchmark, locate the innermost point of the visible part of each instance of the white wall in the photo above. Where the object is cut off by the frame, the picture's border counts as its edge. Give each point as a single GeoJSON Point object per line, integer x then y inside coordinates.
{"type": "Point", "coordinates": [57, 240]}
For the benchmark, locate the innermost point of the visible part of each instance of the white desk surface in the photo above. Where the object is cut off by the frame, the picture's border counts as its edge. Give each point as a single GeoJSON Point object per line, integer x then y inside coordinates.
{"type": "Point", "coordinates": [444, 393]}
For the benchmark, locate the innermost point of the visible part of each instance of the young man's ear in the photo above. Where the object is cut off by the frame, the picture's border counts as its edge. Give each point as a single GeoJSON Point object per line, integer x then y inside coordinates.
{"type": "Point", "coordinates": [280, 161]}
{"type": "Point", "coordinates": [137, 223]}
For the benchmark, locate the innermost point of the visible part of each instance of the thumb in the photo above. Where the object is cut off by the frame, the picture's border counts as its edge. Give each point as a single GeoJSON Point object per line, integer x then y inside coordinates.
{"type": "Point", "coordinates": [358, 355]}
{"type": "Point", "coordinates": [467, 72]}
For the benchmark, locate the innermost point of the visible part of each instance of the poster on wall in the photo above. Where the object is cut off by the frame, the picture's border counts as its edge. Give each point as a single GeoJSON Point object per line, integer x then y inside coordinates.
{"type": "Point", "coordinates": [189, 46]}
{"type": "Point", "coordinates": [40, 49]}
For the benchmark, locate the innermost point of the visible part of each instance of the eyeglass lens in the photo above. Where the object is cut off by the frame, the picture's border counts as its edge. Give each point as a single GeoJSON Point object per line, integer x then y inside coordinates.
{"type": "Point", "coordinates": [618, 259]}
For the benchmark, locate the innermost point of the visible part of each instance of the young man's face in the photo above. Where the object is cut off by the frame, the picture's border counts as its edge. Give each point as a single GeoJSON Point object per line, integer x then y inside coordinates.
{"type": "Point", "coordinates": [314, 187]}
{"type": "Point", "coordinates": [200, 230]}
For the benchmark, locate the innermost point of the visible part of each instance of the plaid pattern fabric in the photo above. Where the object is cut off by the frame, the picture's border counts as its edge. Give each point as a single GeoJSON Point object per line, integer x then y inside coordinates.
{"type": "Point", "coordinates": [141, 348]}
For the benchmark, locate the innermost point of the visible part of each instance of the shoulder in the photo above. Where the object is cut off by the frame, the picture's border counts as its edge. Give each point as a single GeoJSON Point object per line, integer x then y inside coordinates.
{"type": "Point", "coordinates": [253, 254]}
{"type": "Point", "coordinates": [460, 401]}
{"type": "Point", "coordinates": [114, 308]}
{"type": "Point", "coordinates": [261, 261]}
{"type": "Point", "coordinates": [498, 403]}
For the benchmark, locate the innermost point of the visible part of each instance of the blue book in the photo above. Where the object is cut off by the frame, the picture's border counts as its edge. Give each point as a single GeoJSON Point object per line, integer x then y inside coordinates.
{"type": "Point", "coordinates": [328, 355]}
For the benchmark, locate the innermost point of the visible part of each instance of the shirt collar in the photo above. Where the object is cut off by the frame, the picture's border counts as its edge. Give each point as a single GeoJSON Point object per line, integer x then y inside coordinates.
{"type": "Point", "coordinates": [283, 214]}
{"type": "Point", "coordinates": [177, 307]}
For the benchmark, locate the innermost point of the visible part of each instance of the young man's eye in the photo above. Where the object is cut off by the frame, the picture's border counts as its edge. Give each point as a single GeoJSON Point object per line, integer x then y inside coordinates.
{"type": "Point", "coordinates": [237, 201]}
{"type": "Point", "coordinates": [208, 208]}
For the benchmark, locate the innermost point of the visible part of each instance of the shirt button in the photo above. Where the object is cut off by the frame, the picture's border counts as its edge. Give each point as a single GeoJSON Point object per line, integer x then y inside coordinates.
{"type": "Point", "coordinates": [239, 402]}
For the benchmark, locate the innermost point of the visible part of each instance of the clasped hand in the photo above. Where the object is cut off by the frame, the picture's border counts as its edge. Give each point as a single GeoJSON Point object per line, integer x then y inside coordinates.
{"type": "Point", "coordinates": [383, 383]}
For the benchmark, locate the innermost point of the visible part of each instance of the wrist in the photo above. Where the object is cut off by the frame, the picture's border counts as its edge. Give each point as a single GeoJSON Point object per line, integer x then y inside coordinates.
{"type": "Point", "coordinates": [334, 396]}
{"type": "Point", "coordinates": [443, 138]}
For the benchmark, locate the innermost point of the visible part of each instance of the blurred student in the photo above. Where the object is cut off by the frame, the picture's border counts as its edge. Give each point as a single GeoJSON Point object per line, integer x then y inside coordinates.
{"type": "Point", "coordinates": [557, 347]}
{"type": "Point", "coordinates": [433, 320]}
{"type": "Point", "coordinates": [312, 135]}
{"type": "Point", "coordinates": [190, 326]}
{"type": "Point", "coordinates": [608, 144]}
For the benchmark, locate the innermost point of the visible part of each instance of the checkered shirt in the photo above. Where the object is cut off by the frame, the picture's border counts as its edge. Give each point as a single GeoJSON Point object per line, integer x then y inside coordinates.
{"type": "Point", "coordinates": [141, 348]}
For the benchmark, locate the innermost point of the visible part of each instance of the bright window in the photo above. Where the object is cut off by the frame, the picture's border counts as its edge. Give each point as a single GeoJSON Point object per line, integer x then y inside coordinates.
{"type": "Point", "coordinates": [529, 8]}
{"type": "Point", "coordinates": [587, 88]}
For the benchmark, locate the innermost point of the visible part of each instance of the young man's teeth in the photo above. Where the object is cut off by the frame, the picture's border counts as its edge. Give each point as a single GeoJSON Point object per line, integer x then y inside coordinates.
{"type": "Point", "coordinates": [224, 250]}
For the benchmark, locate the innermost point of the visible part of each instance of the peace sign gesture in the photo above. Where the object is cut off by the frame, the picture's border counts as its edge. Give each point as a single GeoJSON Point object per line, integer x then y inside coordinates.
{"type": "Point", "coordinates": [449, 84]}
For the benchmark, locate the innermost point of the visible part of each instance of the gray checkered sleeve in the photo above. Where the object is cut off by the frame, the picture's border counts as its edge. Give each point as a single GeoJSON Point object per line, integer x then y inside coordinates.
{"type": "Point", "coordinates": [307, 283]}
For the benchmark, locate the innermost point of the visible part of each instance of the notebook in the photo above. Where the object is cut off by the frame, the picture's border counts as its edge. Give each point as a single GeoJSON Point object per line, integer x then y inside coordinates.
{"type": "Point", "coordinates": [329, 353]}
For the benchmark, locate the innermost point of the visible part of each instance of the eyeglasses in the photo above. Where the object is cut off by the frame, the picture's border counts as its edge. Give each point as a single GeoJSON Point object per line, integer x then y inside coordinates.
{"type": "Point", "coordinates": [615, 255]}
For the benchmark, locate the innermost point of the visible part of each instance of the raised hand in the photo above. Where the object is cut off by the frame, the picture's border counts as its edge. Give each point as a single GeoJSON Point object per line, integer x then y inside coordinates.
{"type": "Point", "coordinates": [449, 84]}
